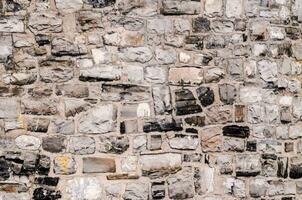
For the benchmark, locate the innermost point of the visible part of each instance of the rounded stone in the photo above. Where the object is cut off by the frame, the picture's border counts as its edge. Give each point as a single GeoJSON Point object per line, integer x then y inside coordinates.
{"type": "Point", "coordinates": [28, 142]}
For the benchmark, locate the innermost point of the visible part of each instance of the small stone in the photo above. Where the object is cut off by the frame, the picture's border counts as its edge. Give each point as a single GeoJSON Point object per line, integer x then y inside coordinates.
{"type": "Point", "coordinates": [50, 181]}
{"type": "Point", "coordinates": [295, 131]}
{"type": "Point", "coordinates": [100, 119]}
{"type": "Point", "coordinates": [160, 26]}
{"type": "Point", "coordinates": [297, 50]}
{"type": "Point", "coordinates": [236, 131]}
{"type": "Point", "coordinates": [158, 190]}
{"type": "Point", "coordinates": [295, 168]}
{"type": "Point", "coordinates": [204, 179]}
{"type": "Point", "coordinates": [268, 71]}
{"type": "Point", "coordinates": [235, 187]}
{"type": "Point", "coordinates": [113, 144]}
{"type": "Point", "coordinates": [161, 98]}
{"type": "Point", "coordinates": [233, 144]}
{"type": "Point", "coordinates": [250, 94]}
{"type": "Point", "coordinates": [54, 144]}
{"type": "Point", "coordinates": [214, 42]}
{"type": "Point", "coordinates": [163, 125]}
{"type": "Point", "coordinates": [56, 71]}
{"type": "Point", "coordinates": [218, 114]}
{"type": "Point", "coordinates": [258, 187]}
{"type": "Point", "coordinates": [64, 165]}
{"type": "Point", "coordinates": [79, 188]}
{"type": "Point", "coordinates": [28, 142]}
{"type": "Point", "coordinates": [136, 191]}
{"type": "Point", "coordinates": [74, 90]}
{"type": "Point", "coordinates": [277, 33]}
{"type": "Point", "coordinates": [186, 102]}
{"type": "Point", "coordinates": [98, 165]}
{"type": "Point", "coordinates": [87, 20]}
{"type": "Point", "coordinates": [129, 164]}
{"type": "Point", "coordinates": [205, 95]}
{"type": "Point", "coordinates": [4, 170]}
{"type": "Point", "coordinates": [201, 24]}
{"type": "Point", "coordinates": [65, 127]}
{"type": "Point", "coordinates": [81, 145]}
{"type": "Point", "coordinates": [258, 30]}
{"type": "Point", "coordinates": [213, 74]}
{"type": "Point", "coordinates": [227, 93]}
{"type": "Point", "coordinates": [139, 143]}
{"type": "Point", "coordinates": [64, 47]}
{"type": "Point", "coordinates": [41, 107]}
{"type": "Point", "coordinates": [211, 140]}
{"type": "Point", "coordinates": [165, 56]}
{"type": "Point", "coordinates": [101, 73]}
{"type": "Point", "coordinates": [156, 74]}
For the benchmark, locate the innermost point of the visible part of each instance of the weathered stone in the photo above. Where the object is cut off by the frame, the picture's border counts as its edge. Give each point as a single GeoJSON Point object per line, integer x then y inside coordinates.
{"type": "Point", "coordinates": [259, 30]}
{"type": "Point", "coordinates": [100, 119]}
{"type": "Point", "coordinates": [186, 102]}
{"type": "Point", "coordinates": [42, 107]}
{"type": "Point", "coordinates": [69, 6]}
{"type": "Point", "coordinates": [213, 74]}
{"type": "Point", "coordinates": [295, 168]}
{"type": "Point", "coordinates": [136, 54]}
{"type": "Point", "coordinates": [235, 187]}
{"type": "Point", "coordinates": [198, 121]}
{"type": "Point", "coordinates": [101, 73]}
{"type": "Point", "coordinates": [87, 20]}
{"type": "Point", "coordinates": [186, 75]}
{"type": "Point", "coordinates": [234, 8]}
{"type": "Point", "coordinates": [204, 180]}
{"type": "Point", "coordinates": [163, 125]}
{"type": "Point", "coordinates": [213, 7]}
{"type": "Point", "coordinates": [165, 56]}
{"type": "Point", "coordinates": [50, 181]}
{"type": "Point", "coordinates": [113, 144]}
{"type": "Point", "coordinates": [211, 139]}
{"type": "Point", "coordinates": [162, 101]}
{"type": "Point", "coordinates": [227, 93]}
{"type": "Point", "coordinates": [62, 47]}
{"type": "Point", "coordinates": [258, 187]}
{"type": "Point", "coordinates": [160, 26]}
{"type": "Point", "coordinates": [188, 142]}
{"type": "Point", "coordinates": [214, 42]}
{"type": "Point", "coordinates": [56, 71]}
{"type": "Point", "coordinates": [158, 190]}
{"type": "Point", "coordinates": [53, 144]}
{"type": "Point", "coordinates": [27, 142]}
{"type": "Point", "coordinates": [174, 7]}
{"type": "Point", "coordinates": [247, 165]}
{"type": "Point", "coordinates": [81, 145]}
{"type": "Point", "coordinates": [136, 191]}
{"type": "Point", "coordinates": [9, 108]}
{"type": "Point", "coordinates": [43, 193]}
{"type": "Point", "coordinates": [155, 165]}
{"type": "Point", "coordinates": [98, 165]}
{"type": "Point", "coordinates": [218, 114]}
{"type": "Point", "coordinates": [4, 172]}
{"type": "Point", "coordinates": [79, 188]}
{"type": "Point", "coordinates": [65, 127]}
{"type": "Point", "coordinates": [74, 90]}
{"type": "Point", "coordinates": [201, 24]}
{"type": "Point", "coordinates": [44, 22]}
{"type": "Point", "coordinates": [20, 78]}
{"type": "Point", "coordinates": [101, 4]}
{"type": "Point", "coordinates": [268, 71]}
{"type": "Point", "coordinates": [297, 50]}
{"type": "Point", "coordinates": [7, 48]}
{"type": "Point", "coordinates": [156, 74]}
{"type": "Point", "coordinates": [64, 165]}
{"type": "Point", "coordinates": [205, 96]}
{"type": "Point", "coordinates": [11, 24]}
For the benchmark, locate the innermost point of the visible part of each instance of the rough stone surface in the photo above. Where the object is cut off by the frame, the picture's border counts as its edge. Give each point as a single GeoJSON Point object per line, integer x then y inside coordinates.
{"type": "Point", "coordinates": [150, 99]}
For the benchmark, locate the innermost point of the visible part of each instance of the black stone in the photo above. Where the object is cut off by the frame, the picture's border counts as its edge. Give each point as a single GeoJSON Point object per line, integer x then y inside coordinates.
{"type": "Point", "coordinates": [50, 181]}
{"type": "Point", "coordinates": [158, 190]}
{"type": "Point", "coordinates": [122, 128]}
{"type": "Point", "coordinates": [184, 95]}
{"type": "Point", "coordinates": [4, 170]}
{"type": "Point", "coordinates": [101, 3]}
{"type": "Point", "coordinates": [194, 42]}
{"type": "Point", "coordinates": [269, 156]}
{"type": "Point", "coordinates": [251, 146]}
{"type": "Point", "coordinates": [292, 33]}
{"type": "Point", "coordinates": [46, 194]}
{"type": "Point", "coordinates": [282, 167]}
{"type": "Point", "coordinates": [162, 126]}
{"type": "Point", "coordinates": [187, 108]}
{"type": "Point", "coordinates": [194, 157]}
{"type": "Point", "coordinates": [236, 131]}
{"type": "Point", "coordinates": [205, 96]}
{"type": "Point", "coordinates": [42, 39]}
{"type": "Point", "coordinates": [288, 198]}
{"type": "Point", "coordinates": [43, 165]}
{"type": "Point", "coordinates": [12, 6]}
{"type": "Point", "coordinates": [198, 121]}
{"type": "Point", "coordinates": [191, 130]}
{"type": "Point", "coordinates": [214, 42]}
{"type": "Point", "coordinates": [201, 24]}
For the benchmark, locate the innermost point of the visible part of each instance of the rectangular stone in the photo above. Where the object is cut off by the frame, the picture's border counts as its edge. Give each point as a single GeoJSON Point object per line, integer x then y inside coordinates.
{"type": "Point", "coordinates": [186, 75]}
{"type": "Point", "coordinates": [9, 108]}
{"type": "Point", "coordinates": [6, 47]}
{"type": "Point", "coordinates": [98, 165]}
{"type": "Point", "coordinates": [11, 24]}
{"type": "Point", "coordinates": [176, 7]}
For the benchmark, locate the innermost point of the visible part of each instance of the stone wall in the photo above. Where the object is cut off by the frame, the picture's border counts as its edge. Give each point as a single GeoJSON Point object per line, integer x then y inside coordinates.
{"type": "Point", "coordinates": [150, 99]}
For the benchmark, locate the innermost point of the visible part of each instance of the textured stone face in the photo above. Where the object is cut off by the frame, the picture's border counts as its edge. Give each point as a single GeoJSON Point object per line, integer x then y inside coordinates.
{"type": "Point", "coordinates": [150, 99]}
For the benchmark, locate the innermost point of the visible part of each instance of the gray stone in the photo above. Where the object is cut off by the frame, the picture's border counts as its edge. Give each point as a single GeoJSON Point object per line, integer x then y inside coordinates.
{"type": "Point", "coordinates": [155, 74]}
{"type": "Point", "coordinates": [258, 187]}
{"type": "Point", "coordinates": [160, 26]}
{"type": "Point", "coordinates": [54, 144]}
{"type": "Point", "coordinates": [20, 78]}
{"type": "Point", "coordinates": [213, 74]}
{"type": "Point", "coordinates": [227, 93]}
{"type": "Point", "coordinates": [181, 185]}
{"type": "Point", "coordinates": [75, 106]}
{"type": "Point", "coordinates": [213, 8]}
{"type": "Point", "coordinates": [297, 49]}
{"type": "Point", "coordinates": [161, 98]}
{"type": "Point", "coordinates": [62, 47]}
{"type": "Point", "coordinates": [64, 165]}
{"type": "Point", "coordinates": [81, 145]}
{"type": "Point", "coordinates": [65, 127]}
{"type": "Point", "coordinates": [204, 180]}
{"type": "Point", "coordinates": [113, 144]}
{"type": "Point", "coordinates": [247, 165]}
{"type": "Point", "coordinates": [137, 54]}
{"type": "Point", "coordinates": [98, 165]}
{"type": "Point", "coordinates": [44, 22]}
{"type": "Point", "coordinates": [296, 7]}
{"type": "Point", "coordinates": [72, 90]}
{"type": "Point", "coordinates": [56, 71]}
{"type": "Point", "coordinates": [235, 187]}
{"type": "Point", "coordinates": [136, 191]}
{"type": "Point", "coordinates": [101, 73]}
{"type": "Point", "coordinates": [69, 6]}
{"type": "Point", "coordinates": [184, 142]}
{"type": "Point", "coordinates": [100, 119]}
{"type": "Point", "coordinates": [268, 70]}
{"type": "Point", "coordinates": [234, 8]}
{"type": "Point", "coordinates": [295, 131]}
{"type": "Point", "coordinates": [165, 56]}
{"type": "Point", "coordinates": [41, 107]}
{"type": "Point", "coordinates": [6, 47]}
{"type": "Point", "coordinates": [174, 7]}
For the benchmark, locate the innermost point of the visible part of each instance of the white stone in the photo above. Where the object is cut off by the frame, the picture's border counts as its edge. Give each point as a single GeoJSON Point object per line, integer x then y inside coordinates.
{"type": "Point", "coordinates": [295, 131]}
{"type": "Point", "coordinates": [207, 177]}
{"type": "Point", "coordinates": [129, 163]}
{"type": "Point", "coordinates": [235, 187]}
{"type": "Point", "coordinates": [234, 8]}
{"type": "Point", "coordinates": [80, 188]}
{"type": "Point", "coordinates": [213, 7]}
{"type": "Point", "coordinates": [9, 108]}
{"type": "Point", "coordinates": [137, 54]}
{"type": "Point", "coordinates": [160, 26]}
{"type": "Point", "coordinates": [277, 33]}
{"type": "Point", "coordinates": [143, 110]}
{"type": "Point", "coordinates": [182, 25]}
{"type": "Point", "coordinates": [184, 57]}
{"type": "Point", "coordinates": [296, 9]}
{"type": "Point", "coordinates": [250, 94]}
{"type": "Point", "coordinates": [69, 6]}
{"type": "Point", "coordinates": [11, 24]}
{"type": "Point", "coordinates": [268, 70]}
{"type": "Point", "coordinates": [6, 47]}
{"type": "Point", "coordinates": [101, 56]}
{"type": "Point", "coordinates": [286, 100]}
{"type": "Point", "coordinates": [156, 74]}
{"type": "Point", "coordinates": [165, 56]}
{"type": "Point", "coordinates": [103, 72]}
{"type": "Point", "coordinates": [28, 142]}
{"type": "Point", "coordinates": [160, 161]}
{"type": "Point", "coordinates": [134, 73]}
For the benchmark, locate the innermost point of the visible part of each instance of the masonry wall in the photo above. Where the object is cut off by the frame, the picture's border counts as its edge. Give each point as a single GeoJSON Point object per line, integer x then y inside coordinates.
{"type": "Point", "coordinates": [150, 99]}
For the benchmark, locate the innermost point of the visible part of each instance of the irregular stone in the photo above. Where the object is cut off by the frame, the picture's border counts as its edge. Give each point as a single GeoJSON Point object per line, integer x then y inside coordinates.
{"type": "Point", "coordinates": [64, 165]}
{"type": "Point", "coordinates": [205, 96]}
{"type": "Point", "coordinates": [214, 42]}
{"type": "Point", "coordinates": [7, 48]}
{"type": "Point", "coordinates": [88, 188]}
{"type": "Point", "coordinates": [113, 144]}
{"type": "Point", "coordinates": [136, 191]}
{"type": "Point", "coordinates": [282, 167]}
{"type": "Point", "coordinates": [65, 127]}
{"type": "Point", "coordinates": [158, 190]}
{"type": "Point", "coordinates": [193, 42]}
{"type": "Point", "coordinates": [100, 119]}
{"type": "Point", "coordinates": [295, 168]}
{"type": "Point", "coordinates": [184, 142]}
{"type": "Point", "coordinates": [160, 26]}
{"type": "Point", "coordinates": [213, 74]}
{"type": "Point", "coordinates": [101, 4]}
{"type": "Point", "coordinates": [204, 180]}
{"type": "Point", "coordinates": [235, 187]}
{"type": "Point", "coordinates": [161, 98]}
{"type": "Point", "coordinates": [234, 8]}
{"type": "Point", "coordinates": [250, 94]}
{"type": "Point", "coordinates": [54, 144]}
{"type": "Point", "coordinates": [45, 22]}
{"type": "Point", "coordinates": [218, 114]}
{"type": "Point", "coordinates": [27, 142]}
{"type": "Point", "coordinates": [297, 50]}
{"type": "Point", "coordinates": [258, 187]}
{"type": "Point", "coordinates": [186, 75]}
{"type": "Point", "coordinates": [81, 145]}
{"type": "Point", "coordinates": [211, 140]}
{"type": "Point", "coordinates": [198, 121]}
{"type": "Point", "coordinates": [269, 146]}
{"type": "Point", "coordinates": [4, 170]}
{"type": "Point", "coordinates": [201, 24]}
{"type": "Point", "coordinates": [20, 78]}
{"type": "Point", "coordinates": [213, 7]}
{"type": "Point", "coordinates": [156, 165]}
{"type": "Point", "coordinates": [87, 20]}
{"type": "Point", "coordinates": [295, 131]}
{"type": "Point", "coordinates": [139, 143]}
{"type": "Point", "coordinates": [136, 54]}
{"type": "Point", "coordinates": [49, 181]}
{"type": "Point", "coordinates": [225, 163]}
{"type": "Point", "coordinates": [129, 163]}
{"type": "Point", "coordinates": [11, 24]}
{"type": "Point", "coordinates": [98, 165]}
{"type": "Point", "coordinates": [165, 56]}
{"type": "Point", "coordinates": [247, 165]}
{"type": "Point", "coordinates": [174, 7]}
{"type": "Point", "coordinates": [268, 71]}
{"type": "Point", "coordinates": [258, 30]}
{"type": "Point", "coordinates": [63, 47]}
{"type": "Point", "coordinates": [236, 131]}
{"type": "Point", "coordinates": [156, 74]}
{"type": "Point", "coordinates": [101, 73]}
{"type": "Point", "coordinates": [162, 125]}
